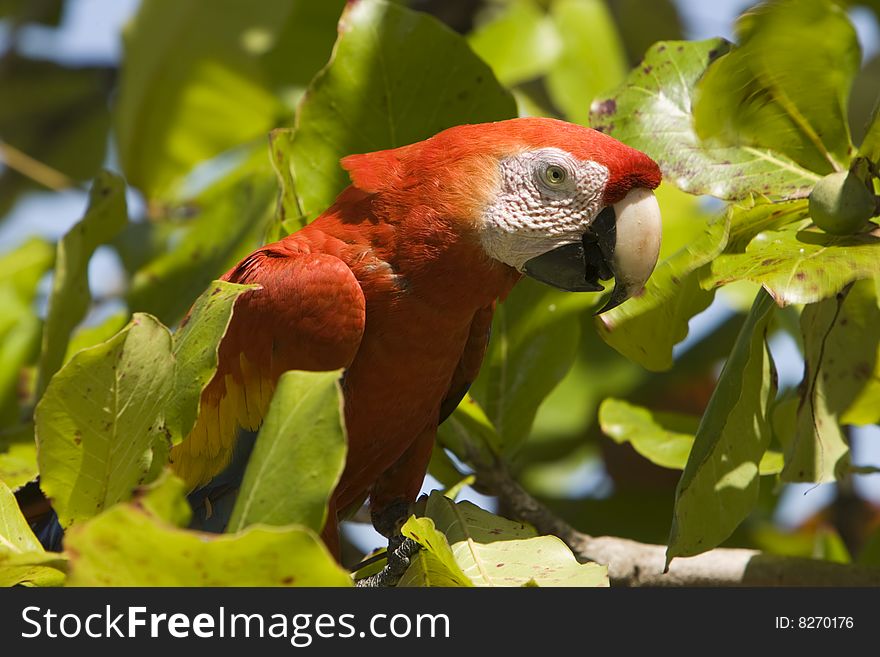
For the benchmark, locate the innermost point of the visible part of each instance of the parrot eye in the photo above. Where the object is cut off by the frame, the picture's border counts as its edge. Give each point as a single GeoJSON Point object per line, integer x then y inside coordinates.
{"type": "Point", "coordinates": [554, 175]}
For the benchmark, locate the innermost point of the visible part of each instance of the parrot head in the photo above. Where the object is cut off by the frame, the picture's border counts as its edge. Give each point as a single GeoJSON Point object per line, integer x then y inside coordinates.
{"type": "Point", "coordinates": [561, 203]}
{"type": "Point", "coordinates": [574, 207]}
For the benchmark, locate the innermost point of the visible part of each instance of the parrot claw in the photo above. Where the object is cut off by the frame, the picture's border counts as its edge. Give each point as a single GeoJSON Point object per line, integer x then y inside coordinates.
{"type": "Point", "coordinates": [400, 553]}
{"type": "Point", "coordinates": [388, 520]}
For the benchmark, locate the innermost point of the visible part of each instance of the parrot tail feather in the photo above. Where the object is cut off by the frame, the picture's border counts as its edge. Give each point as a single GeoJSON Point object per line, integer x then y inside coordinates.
{"type": "Point", "coordinates": [228, 403]}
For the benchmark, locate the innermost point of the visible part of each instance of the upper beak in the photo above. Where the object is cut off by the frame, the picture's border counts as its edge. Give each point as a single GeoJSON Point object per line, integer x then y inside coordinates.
{"type": "Point", "coordinates": [622, 242]}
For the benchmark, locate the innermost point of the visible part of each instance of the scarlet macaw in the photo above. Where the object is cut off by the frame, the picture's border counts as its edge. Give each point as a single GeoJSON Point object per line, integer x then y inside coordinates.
{"type": "Point", "coordinates": [397, 282]}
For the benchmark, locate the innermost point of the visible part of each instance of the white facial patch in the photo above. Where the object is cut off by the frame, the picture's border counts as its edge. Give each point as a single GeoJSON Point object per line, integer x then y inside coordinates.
{"type": "Point", "coordinates": [534, 211]}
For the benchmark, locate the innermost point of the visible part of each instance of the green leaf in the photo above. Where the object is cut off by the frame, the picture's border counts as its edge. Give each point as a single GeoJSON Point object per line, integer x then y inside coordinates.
{"type": "Point", "coordinates": [520, 43]}
{"type": "Point", "coordinates": [70, 298]}
{"type": "Point", "coordinates": [20, 332]}
{"type": "Point", "coordinates": [469, 434]}
{"type": "Point", "coordinates": [142, 241]}
{"type": "Point", "coordinates": [21, 11]}
{"type": "Point", "coordinates": [437, 565]}
{"type": "Point", "coordinates": [193, 86]}
{"type": "Point", "coordinates": [15, 533]}
{"type": "Point", "coordinates": [870, 147]}
{"type": "Point", "coordinates": [870, 552]}
{"type": "Point", "coordinates": [598, 371]}
{"type": "Point", "coordinates": [535, 335]}
{"type": "Point", "coordinates": [452, 492]}
{"type": "Point", "coordinates": [646, 328]}
{"type": "Point", "coordinates": [640, 29]}
{"type": "Point", "coordinates": [57, 115]}
{"type": "Point", "coordinates": [863, 106]}
{"type": "Point", "coordinates": [665, 439]}
{"type": "Point", "coordinates": [127, 546]}
{"type": "Point", "coordinates": [799, 266]}
{"type": "Point", "coordinates": [98, 421]}
{"type": "Point", "coordinates": [770, 538]}
{"type": "Point", "coordinates": [384, 87]}
{"type": "Point", "coordinates": [750, 217]}
{"type": "Point", "coordinates": [614, 516]}
{"type": "Point", "coordinates": [592, 60]}
{"type": "Point", "coordinates": [18, 464]}
{"type": "Point", "coordinates": [302, 46]}
{"type": "Point", "coordinates": [195, 353]}
{"type": "Point", "coordinates": [18, 456]}
{"type": "Point", "coordinates": [32, 569]}
{"type": "Point", "coordinates": [288, 218]}
{"type": "Point", "coordinates": [24, 266]}
{"type": "Point", "coordinates": [298, 457]}
{"type": "Point", "coordinates": [477, 548]}
{"type": "Point", "coordinates": [165, 498]}
{"type": "Point", "coordinates": [231, 216]}
{"type": "Point", "coordinates": [818, 450]}
{"type": "Point", "coordinates": [854, 374]}
{"type": "Point", "coordinates": [685, 218]}
{"type": "Point", "coordinates": [23, 561]}
{"type": "Point", "coordinates": [441, 466]}
{"type": "Point", "coordinates": [785, 87]}
{"type": "Point", "coordinates": [653, 112]}
{"type": "Point", "coordinates": [719, 485]}
{"type": "Point", "coordinates": [88, 336]}
{"type": "Point", "coordinates": [428, 570]}
{"type": "Point", "coordinates": [829, 546]}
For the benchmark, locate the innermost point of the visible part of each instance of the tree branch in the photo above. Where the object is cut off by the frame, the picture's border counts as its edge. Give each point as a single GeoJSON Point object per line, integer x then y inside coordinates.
{"type": "Point", "coordinates": [638, 564]}
{"type": "Point", "coordinates": [33, 169]}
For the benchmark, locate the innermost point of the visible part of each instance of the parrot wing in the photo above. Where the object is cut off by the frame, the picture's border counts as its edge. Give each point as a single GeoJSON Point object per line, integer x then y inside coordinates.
{"type": "Point", "coordinates": [308, 315]}
{"type": "Point", "coordinates": [471, 359]}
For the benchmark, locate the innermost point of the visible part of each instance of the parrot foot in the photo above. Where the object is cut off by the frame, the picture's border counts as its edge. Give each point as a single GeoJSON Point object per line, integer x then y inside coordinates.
{"type": "Point", "coordinates": [388, 520]}
{"type": "Point", "coordinates": [400, 552]}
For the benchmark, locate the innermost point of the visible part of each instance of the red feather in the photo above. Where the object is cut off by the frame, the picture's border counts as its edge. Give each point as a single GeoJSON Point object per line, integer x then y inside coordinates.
{"type": "Point", "coordinates": [392, 284]}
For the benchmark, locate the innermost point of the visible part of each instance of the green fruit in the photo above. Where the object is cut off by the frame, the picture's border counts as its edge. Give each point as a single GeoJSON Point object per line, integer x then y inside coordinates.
{"type": "Point", "coordinates": [841, 204]}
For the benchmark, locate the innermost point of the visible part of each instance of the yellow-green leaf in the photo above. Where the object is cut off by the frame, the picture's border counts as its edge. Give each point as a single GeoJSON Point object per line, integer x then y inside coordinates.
{"type": "Point", "coordinates": [288, 218]}
{"type": "Point", "coordinates": [386, 86]}
{"type": "Point", "coordinates": [785, 86]}
{"type": "Point", "coordinates": [535, 335]}
{"type": "Point", "coordinates": [70, 298]}
{"type": "Point", "coordinates": [192, 86]}
{"type": "Point", "coordinates": [298, 457]}
{"type": "Point", "coordinates": [653, 112]}
{"type": "Point", "coordinates": [646, 328]}
{"type": "Point", "coordinates": [870, 147]}
{"type": "Point", "coordinates": [23, 561]}
{"type": "Point", "coordinates": [818, 450]}
{"type": "Point", "coordinates": [477, 548]}
{"type": "Point", "coordinates": [799, 264]}
{"type": "Point", "coordinates": [195, 353]}
{"type": "Point", "coordinates": [469, 434]}
{"type": "Point", "coordinates": [18, 456]}
{"type": "Point", "coordinates": [25, 265]}
{"type": "Point", "coordinates": [98, 422]}
{"type": "Point", "coordinates": [126, 546]}
{"type": "Point", "coordinates": [230, 217]}
{"type": "Point", "coordinates": [437, 566]}
{"type": "Point", "coordinates": [20, 332]}
{"type": "Point", "coordinates": [520, 43]}
{"type": "Point", "coordinates": [592, 60]}
{"type": "Point", "coordinates": [665, 439]}
{"type": "Point", "coordinates": [719, 485]}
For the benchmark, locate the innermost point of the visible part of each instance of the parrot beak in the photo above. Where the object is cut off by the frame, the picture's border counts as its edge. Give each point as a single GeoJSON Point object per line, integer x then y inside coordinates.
{"type": "Point", "coordinates": [622, 243]}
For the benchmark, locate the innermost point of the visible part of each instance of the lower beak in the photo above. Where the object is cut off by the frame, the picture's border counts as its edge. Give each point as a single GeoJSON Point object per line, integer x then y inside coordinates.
{"type": "Point", "coordinates": [622, 243]}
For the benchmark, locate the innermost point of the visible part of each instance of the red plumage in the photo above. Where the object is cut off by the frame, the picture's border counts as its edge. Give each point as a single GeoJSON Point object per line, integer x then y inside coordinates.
{"type": "Point", "coordinates": [392, 284]}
